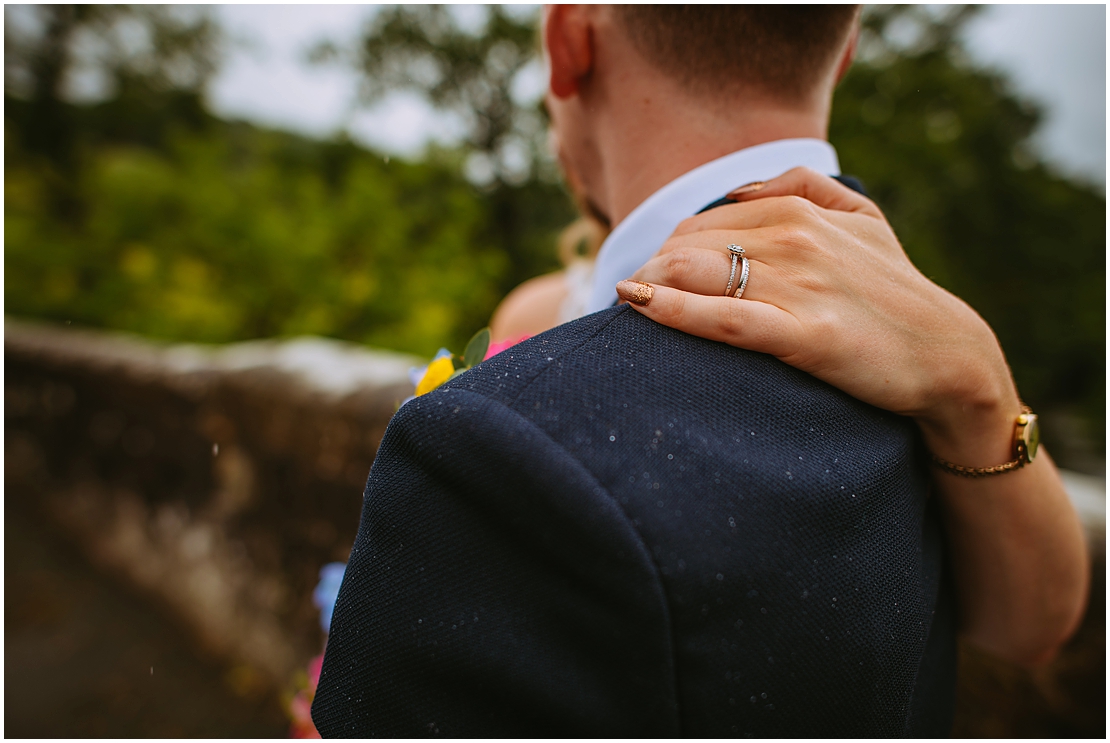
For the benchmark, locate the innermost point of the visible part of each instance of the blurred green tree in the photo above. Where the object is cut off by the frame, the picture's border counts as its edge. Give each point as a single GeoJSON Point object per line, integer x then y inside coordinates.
{"type": "Point", "coordinates": [238, 233]}
{"type": "Point", "coordinates": [129, 55]}
{"type": "Point", "coordinates": [468, 74]}
{"type": "Point", "coordinates": [141, 211]}
{"type": "Point", "coordinates": [473, 76]}
{"type": "Point", "coordinates": [58, 53]}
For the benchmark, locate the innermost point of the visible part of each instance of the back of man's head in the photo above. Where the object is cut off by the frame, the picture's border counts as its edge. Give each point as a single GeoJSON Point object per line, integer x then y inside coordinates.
{"type": "Point", "coordinates": [784, 52]}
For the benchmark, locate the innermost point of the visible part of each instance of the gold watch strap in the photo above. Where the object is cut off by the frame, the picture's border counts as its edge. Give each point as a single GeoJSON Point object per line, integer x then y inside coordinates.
{"type": "Point", "coordinates": [1021, 458]}
{"type": "Point", "coordinates": [959, 469]}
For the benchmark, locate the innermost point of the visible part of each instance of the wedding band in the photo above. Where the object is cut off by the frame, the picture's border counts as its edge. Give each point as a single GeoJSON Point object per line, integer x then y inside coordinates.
{"type": "Point", "coordinates": [737, 254]}
{"type": "Point", "coordinates": [743, 279]}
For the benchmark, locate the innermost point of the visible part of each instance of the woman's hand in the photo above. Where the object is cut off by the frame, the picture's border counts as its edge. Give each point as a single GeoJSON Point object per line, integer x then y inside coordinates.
{"type": "Point", "coordinates": [831, 292]}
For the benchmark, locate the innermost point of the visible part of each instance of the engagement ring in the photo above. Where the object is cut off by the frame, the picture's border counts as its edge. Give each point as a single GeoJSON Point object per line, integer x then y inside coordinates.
{"type": "Point", "coordinates": [737, 254]}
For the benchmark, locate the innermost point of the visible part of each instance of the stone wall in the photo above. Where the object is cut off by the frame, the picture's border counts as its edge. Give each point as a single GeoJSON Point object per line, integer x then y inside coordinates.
{"type": "Point", "coordinates": [218, 480]}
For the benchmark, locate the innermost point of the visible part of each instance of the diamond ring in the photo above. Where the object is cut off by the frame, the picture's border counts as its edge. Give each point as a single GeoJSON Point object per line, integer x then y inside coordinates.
{"type": "Point", "coordinates": [737, 254]}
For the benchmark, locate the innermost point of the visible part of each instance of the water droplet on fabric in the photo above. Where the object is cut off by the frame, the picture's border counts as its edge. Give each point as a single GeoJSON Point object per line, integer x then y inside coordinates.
{"type": "Point", "coordinates": [612, 438]}
{"type": "Point", "coordinates": [720, 577]}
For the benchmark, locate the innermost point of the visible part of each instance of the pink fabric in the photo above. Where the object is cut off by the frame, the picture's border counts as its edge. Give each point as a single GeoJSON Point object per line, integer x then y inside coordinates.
{"type": "Point", "coordinates": [314, 667]}
{"type": "Point", "coordinates": [300, 706]}
{"type": "Point", "coordinates": [300, 709]}
{"type": "Point", "coordinates": [496, 348]}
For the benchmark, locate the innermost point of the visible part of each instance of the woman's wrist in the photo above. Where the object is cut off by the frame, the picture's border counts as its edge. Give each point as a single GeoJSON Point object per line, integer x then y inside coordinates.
{"type": "Point", "coordinates": [972, 422]}
{"type": "Point", "coordinates": [974, 438]}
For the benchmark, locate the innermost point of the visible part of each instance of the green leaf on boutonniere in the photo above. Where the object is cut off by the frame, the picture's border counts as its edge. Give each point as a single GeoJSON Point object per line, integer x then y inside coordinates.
{"type": "Point", "coordinates": [457, 373]}
{"type": "Point", "coordinates": [458, 363]}
{"type": "Point", "coordinates": [476, 349]}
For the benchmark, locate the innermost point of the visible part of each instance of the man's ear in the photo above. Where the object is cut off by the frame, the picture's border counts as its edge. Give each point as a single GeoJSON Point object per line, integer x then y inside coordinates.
{"type": "Point", "coordinates": [568, 36]}
{"type": "Point", "coordinates": [849, 54]}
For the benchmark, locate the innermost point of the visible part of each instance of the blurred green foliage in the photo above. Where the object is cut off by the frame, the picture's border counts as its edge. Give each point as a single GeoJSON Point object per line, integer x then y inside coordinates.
{"type": "Point", "coordinates": [469, 76]}
{"type": "Point", "coordinates": [225, 232]}
{"type": "Point", "coordinates": [145, 213]}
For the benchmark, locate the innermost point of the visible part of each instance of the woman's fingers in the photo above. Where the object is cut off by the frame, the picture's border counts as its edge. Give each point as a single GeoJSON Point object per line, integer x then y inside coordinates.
{"type": "Point", "coordinates": [743, 323]}
{"type": "Point", "coordinates": [795, 243]}
{"type": "Point", "coordinates": [707, 272]}
{"type": "Point", "coordinates": [689, 269]}
{"type": "Point", "coordinates": [751, 215]}
{"type": "Point", "coordinates": [796, 197]}
{"type": "Point", "coordinates": [822, 190]}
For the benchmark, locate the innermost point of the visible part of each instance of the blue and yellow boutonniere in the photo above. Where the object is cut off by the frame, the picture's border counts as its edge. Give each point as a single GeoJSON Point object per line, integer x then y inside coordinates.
{"type": "Point", "coordinates": [447, 366]}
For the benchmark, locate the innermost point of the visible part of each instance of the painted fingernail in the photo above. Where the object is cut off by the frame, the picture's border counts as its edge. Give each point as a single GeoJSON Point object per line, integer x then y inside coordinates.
{"type": "Point", "coordinates": [636, 292]}
{"type": "Point", "coordinates": [747, 188]}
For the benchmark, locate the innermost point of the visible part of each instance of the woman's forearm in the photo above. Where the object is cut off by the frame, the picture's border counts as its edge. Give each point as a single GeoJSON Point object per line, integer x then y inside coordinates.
{"type": "Point", "coordinates": [1021, 564]}
{"type": "Point", "coordinates": [1020, 558]}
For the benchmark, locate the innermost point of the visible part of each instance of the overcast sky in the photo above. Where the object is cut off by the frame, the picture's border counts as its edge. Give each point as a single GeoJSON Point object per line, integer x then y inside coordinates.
{"type": "Point", "coordinates": [1055, 54]}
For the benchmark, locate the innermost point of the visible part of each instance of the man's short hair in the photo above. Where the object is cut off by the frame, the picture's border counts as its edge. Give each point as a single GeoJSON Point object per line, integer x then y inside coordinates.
{"type": "Point", "coordinates": [780, 50]}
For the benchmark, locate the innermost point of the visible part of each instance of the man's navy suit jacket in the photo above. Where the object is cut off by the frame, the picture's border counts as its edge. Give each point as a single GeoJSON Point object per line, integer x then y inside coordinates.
{"type": "Point", "coordinates": [617, 529]}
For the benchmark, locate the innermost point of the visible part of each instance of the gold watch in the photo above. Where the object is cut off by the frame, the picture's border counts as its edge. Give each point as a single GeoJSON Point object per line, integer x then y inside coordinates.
{"type": "Point", "coordinates": [1027, 439]}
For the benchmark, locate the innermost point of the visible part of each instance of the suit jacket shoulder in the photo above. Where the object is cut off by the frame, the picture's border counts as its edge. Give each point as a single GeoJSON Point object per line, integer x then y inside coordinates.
{"type": "Point", "coordinates": [495, 589]}
{"type": "Point", "coordinates": [618, 529]}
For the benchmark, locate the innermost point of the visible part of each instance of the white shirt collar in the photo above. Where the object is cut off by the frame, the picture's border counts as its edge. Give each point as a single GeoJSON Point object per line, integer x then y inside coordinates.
{"type": "Point", "coordinates": [636, 239]}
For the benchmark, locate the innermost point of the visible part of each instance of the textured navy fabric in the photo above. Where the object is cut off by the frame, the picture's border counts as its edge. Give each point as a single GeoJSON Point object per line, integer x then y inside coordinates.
{"type": "Point", "coordinates": [617, 529]}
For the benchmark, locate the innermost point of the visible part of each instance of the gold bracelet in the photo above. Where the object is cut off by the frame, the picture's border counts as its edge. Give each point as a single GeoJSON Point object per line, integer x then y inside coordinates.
{"type": "Point", "coordinates": [1027, 439]}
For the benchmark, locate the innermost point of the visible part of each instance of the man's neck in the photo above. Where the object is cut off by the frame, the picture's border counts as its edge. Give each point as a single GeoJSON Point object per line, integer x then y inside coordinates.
{"type": "Point", "coordinates": [648, 153]}
{"type": "Point", "coordinates": [648, 141]}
